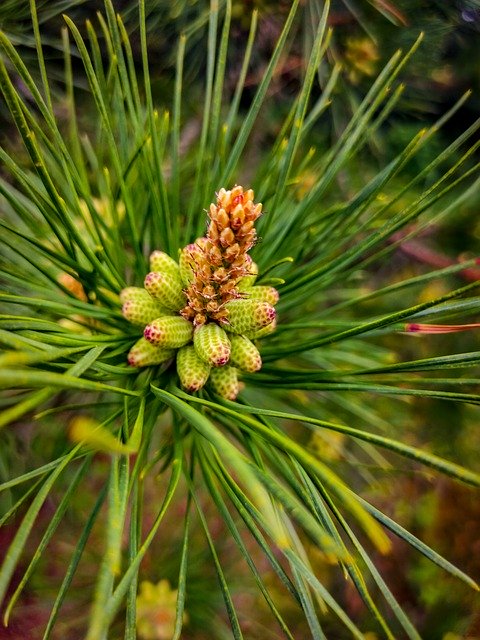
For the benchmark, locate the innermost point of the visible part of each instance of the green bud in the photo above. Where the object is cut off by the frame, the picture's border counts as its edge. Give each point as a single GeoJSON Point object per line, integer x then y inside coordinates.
{"type": "Point", "coordinates": [212, 344]}
{"type": "Point", "coordinates": [261, 293]}
{"type": "Point", "coordinates": [265, 331]}
{"type": "Point", "coordinates": [244, 354]}
{"type": "Point", "coordinates": [162, 262]}
{"type": "Point", "coordinates": [224, 381]}
{"type": "Point", "coordinates": [248, 316]}
{"type": "Point", "coordinates": [166, 288]}
{"type": "Point", "coordinates": [139, 307]}
{"type": "Point", "coordinates": [171, 332]}
{"type": "Point", "coordinates": [192, 371]}
{"type": "Point", "coordinates": [144, 354]}
{"type": "Point", "coordinates": [132, 293]}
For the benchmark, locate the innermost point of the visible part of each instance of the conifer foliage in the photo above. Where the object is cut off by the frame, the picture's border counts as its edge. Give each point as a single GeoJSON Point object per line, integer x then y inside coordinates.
{"type": "Point", "coordinates": [163, 368]}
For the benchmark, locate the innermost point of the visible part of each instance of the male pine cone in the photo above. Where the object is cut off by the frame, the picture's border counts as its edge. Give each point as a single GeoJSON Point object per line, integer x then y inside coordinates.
{"type": "Point", "coordinates": [206, 308]}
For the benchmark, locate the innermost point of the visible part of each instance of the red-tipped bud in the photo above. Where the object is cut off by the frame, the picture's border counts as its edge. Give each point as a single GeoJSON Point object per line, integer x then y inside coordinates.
{"type": "Point", "coordinates": [244, 354]}
{"type": "Point", "coordinates": [192, 370]}
{"type": "Point", "coordinates": [166, 288]}
{"type": "Point", "coordinates": [248, 316]}
{"type": "Point", "coordinates": [261, 293]}
{"type": "Point", "coordinates": [224, 381]}
{"type": "Point", "coordinates": [171, 332]}
{"type": "Point", "coordinates": [144, 354]}
{"type": "Point", "coordinates": [212, 344]}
